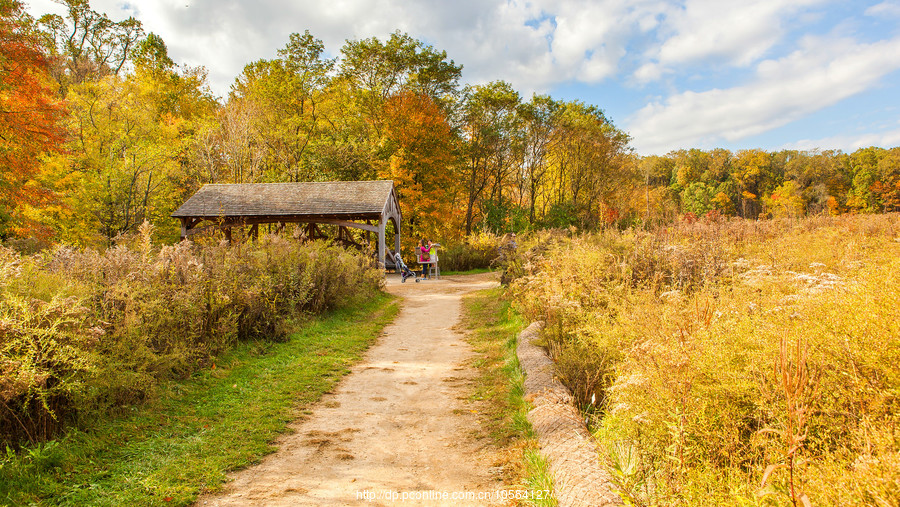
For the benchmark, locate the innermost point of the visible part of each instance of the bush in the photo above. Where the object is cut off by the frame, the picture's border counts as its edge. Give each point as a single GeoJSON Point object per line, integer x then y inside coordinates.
{"type": "Point", "coordinates": [83, 331]}
{"type": "Point", "coordinates": [733, 362]}
{"type": "Point", "coordinates": [478, 252]}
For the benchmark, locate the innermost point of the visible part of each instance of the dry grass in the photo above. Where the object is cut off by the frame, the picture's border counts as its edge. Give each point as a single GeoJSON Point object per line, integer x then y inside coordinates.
{"type": "Point", "coordinates": [83, 331]}
{"type": "Point", "coordinates": [733, 361]}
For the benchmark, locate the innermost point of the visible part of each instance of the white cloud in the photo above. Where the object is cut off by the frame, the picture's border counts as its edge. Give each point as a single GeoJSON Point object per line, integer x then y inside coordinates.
{"type": "Point", "coordinates": [537, 44]}
{"type": "Point", "coordinates": [848, 143]}
{"type": "Point", "coordinates": [737, 33]}
{"type": "Point", "coordinates": [822, 73]}
{"type": "Point", "coordinates": [889, 8]}
{"type": "Point", "coordinates": [649, 72]}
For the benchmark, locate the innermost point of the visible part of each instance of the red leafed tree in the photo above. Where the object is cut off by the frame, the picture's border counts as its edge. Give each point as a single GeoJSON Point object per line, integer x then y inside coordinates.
{"type": "Point", "coordinates": [30, 115]}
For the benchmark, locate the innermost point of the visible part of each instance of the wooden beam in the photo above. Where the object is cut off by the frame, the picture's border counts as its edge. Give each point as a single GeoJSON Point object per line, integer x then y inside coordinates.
{"type": "Point", "coordinates": [346, 223]}
{"type": "Point", "coordinates": [197, 230]}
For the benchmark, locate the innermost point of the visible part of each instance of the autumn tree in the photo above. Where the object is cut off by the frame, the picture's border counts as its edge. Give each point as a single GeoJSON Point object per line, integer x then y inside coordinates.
{"type": "Point", "coordinates": [133, 143]}
{"type": "Point", "coordinates": [490, 133]}
{"type": "Point", "coordinates": [590, 164]}
{"type": "Point", "coordinates": [887, 187]}
{"type": "Point", "coordinates": [690, 166]}
{"type": "Point", "coordinates": [539, 118]}
{"type": "Point", "coordinates": [371, 72]}
{"type": "Point", "coordinates": [785, 201]}
{"type": "Point", "coordinates": [752, 172]}
{"type": "Point", "coordinates": [287, 97]}
{"type": "Point", "coordinates": [87, 45]}
{"type": "Point", "coordinates": [422, 163]}
{"type": "Point", "coordinates": [30, 116]}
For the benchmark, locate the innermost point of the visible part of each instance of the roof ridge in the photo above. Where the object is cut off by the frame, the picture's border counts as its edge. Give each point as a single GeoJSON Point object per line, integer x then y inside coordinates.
{"type": "Point", "coordinates": [301, 182]}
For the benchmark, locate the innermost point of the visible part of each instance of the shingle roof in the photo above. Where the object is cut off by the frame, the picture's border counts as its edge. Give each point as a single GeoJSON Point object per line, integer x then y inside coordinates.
{"type": "Point", "coordinates": [331, 198]}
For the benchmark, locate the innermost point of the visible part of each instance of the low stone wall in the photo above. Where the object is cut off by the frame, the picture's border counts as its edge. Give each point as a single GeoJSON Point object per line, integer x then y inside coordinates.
{"type": "Point", "coordinates": [578, 477]}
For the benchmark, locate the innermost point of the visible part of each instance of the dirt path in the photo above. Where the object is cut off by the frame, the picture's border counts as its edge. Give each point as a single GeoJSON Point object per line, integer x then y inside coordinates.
{"type": "Point", "coordinates": [397, 425]}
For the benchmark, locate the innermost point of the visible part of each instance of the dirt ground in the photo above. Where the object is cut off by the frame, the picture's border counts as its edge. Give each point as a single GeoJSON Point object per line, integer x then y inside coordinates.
{"type": "Point", "coordinates": [395, 431]}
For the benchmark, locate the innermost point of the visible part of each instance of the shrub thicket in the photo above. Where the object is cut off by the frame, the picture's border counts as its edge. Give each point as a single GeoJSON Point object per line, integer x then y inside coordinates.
{"type": "Point", "coordinates": [733, 361]}
{"type": "Point", "coordinates": [83, 331]}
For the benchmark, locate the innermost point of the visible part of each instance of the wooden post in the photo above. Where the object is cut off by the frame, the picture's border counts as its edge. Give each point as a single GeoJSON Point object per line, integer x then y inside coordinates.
{"type": "Point", "coordinates": [381, 242]}
{"type": "Point", "coordinates": [397, 238]}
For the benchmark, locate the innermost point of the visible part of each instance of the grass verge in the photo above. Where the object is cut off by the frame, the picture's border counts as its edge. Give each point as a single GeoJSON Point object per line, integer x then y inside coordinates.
{"type": "Point", "coordinates": [183, 441]}
{"type": "Point", "coordinates": [493, 327]}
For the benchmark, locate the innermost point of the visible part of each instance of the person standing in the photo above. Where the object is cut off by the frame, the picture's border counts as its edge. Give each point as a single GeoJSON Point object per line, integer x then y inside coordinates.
{"type": "Point", "coordinates": [424, 256]}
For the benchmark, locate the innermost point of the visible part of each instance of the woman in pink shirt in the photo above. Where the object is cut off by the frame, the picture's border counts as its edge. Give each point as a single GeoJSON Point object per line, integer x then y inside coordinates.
{"type": "Point", "coordinates": [424, 255]}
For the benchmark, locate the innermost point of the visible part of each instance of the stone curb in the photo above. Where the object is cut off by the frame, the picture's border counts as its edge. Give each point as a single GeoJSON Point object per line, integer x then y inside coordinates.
{"type": "Point", "coordinates": [578, 478]}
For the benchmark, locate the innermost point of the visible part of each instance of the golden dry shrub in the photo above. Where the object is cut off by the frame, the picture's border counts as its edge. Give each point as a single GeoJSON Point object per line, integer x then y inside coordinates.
{"type": "Point", "coordinates": [734, 362]}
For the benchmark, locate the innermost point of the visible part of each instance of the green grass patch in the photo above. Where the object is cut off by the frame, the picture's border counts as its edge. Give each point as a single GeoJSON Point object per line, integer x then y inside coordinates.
{"type": "Point", "coordinates": [499, 392]}
{"type": "Point", "coordinates": [183, 441]}
{"type": "Point", "coordinates": [538, 479]}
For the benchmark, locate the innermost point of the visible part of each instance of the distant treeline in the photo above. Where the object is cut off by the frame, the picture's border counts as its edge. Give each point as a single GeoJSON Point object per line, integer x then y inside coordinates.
{"type": "Point", "coordinates": [101, 131]}
{"type": "Point", "coordinates": [755, 183]}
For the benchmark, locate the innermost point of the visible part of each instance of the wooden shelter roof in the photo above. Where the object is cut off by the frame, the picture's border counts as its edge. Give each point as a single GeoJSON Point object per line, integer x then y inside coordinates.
{"type": "Point", "coordinates": [349, 200]}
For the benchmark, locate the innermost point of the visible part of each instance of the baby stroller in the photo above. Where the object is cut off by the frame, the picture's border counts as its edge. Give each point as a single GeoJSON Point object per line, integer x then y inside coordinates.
{"type": "Point", "coordinates": [405, 272]}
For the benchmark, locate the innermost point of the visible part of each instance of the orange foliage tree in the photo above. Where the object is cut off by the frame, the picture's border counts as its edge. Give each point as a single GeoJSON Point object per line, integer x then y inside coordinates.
{"type": "Point", "coordinates": [30, 117]}
{"type": "Point", "coordinates": [420, 145]}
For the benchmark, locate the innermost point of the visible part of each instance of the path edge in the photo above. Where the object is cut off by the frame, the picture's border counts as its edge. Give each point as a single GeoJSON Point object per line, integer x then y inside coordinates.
{"type": "Point", "coordinates": [578, 477]}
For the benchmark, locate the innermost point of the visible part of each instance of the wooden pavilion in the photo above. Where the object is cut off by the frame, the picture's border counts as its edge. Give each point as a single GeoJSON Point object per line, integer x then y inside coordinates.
{"type": "Point", "coordinates": [366, 205]}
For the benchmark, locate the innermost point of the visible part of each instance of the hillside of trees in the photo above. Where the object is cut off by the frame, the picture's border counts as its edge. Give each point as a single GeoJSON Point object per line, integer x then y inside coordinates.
{"type": "Point", "coordinates": [100, 130]}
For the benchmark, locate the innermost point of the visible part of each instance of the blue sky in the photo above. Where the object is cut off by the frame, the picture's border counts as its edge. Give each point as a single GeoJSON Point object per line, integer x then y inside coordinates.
{"type": "Point", "coordinates": [770, 74]}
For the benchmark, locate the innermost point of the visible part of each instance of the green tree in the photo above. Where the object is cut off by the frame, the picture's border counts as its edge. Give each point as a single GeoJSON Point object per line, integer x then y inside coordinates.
{"type": "Point", "coordinates": [697, 198]}
{"type": "Point", "coordinates": [376, 70]}
{"type": "Point", "coordinates": [864, 165]}
{"type": "Point", "coordinates": [382, 69]}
